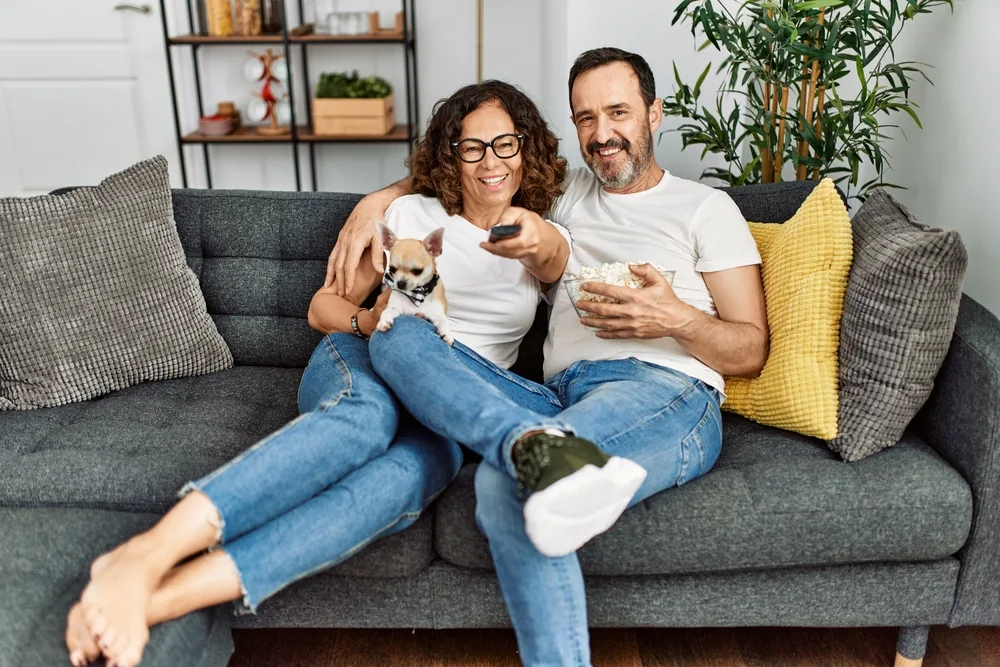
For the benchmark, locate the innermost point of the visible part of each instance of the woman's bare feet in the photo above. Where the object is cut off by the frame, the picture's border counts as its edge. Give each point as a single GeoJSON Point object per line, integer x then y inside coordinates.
{"type": "Point", "coordinates": [83, 650]}
{"type": "Point", "coordinates": [115, 602]}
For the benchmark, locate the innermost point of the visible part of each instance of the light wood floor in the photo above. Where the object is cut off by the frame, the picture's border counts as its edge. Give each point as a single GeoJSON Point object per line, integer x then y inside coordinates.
{"type": "Point", "coordinates": [729, 647]}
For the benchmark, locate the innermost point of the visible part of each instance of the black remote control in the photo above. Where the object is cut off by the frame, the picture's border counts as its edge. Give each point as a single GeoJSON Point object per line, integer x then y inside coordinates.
{"type": "Point", "coordinates": [501, 232]}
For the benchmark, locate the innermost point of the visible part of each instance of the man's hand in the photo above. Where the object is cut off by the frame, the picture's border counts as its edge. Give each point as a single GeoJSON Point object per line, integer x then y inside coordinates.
{"type": "Point", "coordinates": [358, 233]}
{"type": "Point", "coordinates": [527, 241]}
{"type": "Point", "coordinates": [652, 311]}
{"type": "Point", "coordinates": [368, 319]}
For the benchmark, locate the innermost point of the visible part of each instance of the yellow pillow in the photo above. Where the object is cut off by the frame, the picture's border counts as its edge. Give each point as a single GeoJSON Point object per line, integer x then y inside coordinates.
{"type": "Point", "coordinates": [805, 264]}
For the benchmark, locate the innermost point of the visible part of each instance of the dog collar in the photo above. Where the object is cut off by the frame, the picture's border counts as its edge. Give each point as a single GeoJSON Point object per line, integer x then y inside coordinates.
{"type": "Point", "coordinates": [420, 294]}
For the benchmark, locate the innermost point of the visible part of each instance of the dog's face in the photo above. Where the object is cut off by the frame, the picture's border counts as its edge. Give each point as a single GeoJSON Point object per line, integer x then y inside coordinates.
{"type": "Point", "coordinates": [411, 261]}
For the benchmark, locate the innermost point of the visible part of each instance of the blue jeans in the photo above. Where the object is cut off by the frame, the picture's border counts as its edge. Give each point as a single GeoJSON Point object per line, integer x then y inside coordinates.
{"type": "Point", "coordinates": [350, 469]}
{"type": "Point", "coordinates": [664, 420]}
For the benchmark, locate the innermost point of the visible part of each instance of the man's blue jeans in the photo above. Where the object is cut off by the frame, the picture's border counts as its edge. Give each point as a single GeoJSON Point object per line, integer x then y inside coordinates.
{"type": "Point", "coordinates": [666, 421]}
{"type": "Point", "coordinates": [350, 469]}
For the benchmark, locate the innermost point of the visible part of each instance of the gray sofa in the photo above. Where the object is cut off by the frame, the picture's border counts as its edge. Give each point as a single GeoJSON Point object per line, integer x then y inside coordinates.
{"type": "Point", "coordinates": [781, 532]}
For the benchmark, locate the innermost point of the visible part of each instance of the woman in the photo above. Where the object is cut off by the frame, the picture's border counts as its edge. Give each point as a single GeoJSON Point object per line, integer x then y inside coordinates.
{"type": "Point", "coordinates": [352, 467]}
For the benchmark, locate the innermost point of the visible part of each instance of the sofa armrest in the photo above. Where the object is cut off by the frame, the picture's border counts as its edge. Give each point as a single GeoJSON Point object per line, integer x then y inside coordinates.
{"type": "Point", "coordinates": [961, 420]}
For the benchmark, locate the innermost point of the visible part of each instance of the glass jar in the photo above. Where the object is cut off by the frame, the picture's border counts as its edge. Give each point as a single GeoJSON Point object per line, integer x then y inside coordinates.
{"type": "Point", "coordinates": [218, 17]}
{"type": "Point", "coordinates": [248, 17]}
{"type": "Point", "coordinates": [323, 9]}
{"type": "Point", "coordinates": [271, 16]}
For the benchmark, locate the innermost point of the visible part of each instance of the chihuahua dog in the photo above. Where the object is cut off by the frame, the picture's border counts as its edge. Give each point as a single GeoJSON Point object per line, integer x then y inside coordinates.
{"type": "Point", "coordinates": [412, 276]}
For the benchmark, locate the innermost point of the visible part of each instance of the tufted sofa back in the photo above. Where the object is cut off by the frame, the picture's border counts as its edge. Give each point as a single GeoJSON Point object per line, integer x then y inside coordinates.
{"type": "Point", "coordinates": [261, 255]}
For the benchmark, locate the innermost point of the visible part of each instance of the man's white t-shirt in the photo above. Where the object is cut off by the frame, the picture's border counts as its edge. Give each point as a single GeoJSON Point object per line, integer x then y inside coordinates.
{"type": "Point", "coordinates": [491, 300]}
{"type": "Point", "coordinates": [677, 224]}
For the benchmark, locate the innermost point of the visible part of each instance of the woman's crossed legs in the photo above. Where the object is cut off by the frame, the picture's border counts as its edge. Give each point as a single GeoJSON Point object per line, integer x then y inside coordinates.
{"type": "Point", "coordinates": [301, 500]}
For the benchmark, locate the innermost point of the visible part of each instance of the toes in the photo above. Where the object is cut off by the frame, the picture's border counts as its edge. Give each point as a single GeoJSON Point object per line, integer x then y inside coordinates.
{"type": "Point", "coordinates": [95, 620]}
{"type": "Point", "coordinates": [106, 640]}
{"type": "Point", "coordinates": [72, 639]}
{"type": "Point", "coordinates": [116, 648]}
{"type": "Point", "coordinates": [131, 656]}
{"type": "Point", "coordinates": [88, 646]}
{"type": "Point", "coordinates": [82, 649]}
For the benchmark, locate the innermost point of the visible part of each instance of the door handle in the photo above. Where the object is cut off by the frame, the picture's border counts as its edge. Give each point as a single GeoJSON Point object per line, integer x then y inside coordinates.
{"type": "Point", "coordinates": [142, 9]}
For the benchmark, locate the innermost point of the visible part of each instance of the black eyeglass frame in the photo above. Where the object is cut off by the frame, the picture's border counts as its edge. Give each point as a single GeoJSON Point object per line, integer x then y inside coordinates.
{"type": "Point", "coordinates": [520, 144]}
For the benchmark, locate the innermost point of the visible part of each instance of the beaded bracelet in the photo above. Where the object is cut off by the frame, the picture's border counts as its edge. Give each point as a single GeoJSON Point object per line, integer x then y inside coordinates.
{"type": "Point", "coordinates": [354, 324]}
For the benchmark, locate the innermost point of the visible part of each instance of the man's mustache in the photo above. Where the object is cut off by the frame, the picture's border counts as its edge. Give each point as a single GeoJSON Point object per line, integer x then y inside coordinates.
{"type": "Point", "coordinates": [594, 146]}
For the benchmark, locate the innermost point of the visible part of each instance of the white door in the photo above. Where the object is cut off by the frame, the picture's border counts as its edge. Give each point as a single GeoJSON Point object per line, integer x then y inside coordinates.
{"type": "Point", "coordinates": [84, 92]}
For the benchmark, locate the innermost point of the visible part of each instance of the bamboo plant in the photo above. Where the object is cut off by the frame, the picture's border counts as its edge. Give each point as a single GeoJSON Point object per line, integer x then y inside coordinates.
{"type": "Point", "coordinates": [786, 63]}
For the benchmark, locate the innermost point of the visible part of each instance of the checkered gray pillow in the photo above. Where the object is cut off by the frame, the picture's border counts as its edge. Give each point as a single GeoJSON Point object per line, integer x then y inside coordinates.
{"type": "Point", "coordinates": [95, 295]}
{"type": "Point", "coordinates": [899, 316]}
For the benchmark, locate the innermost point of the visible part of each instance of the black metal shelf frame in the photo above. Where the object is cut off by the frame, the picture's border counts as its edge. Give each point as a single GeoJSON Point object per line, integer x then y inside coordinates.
{"type": "Point", "coordinates": [408, 42]}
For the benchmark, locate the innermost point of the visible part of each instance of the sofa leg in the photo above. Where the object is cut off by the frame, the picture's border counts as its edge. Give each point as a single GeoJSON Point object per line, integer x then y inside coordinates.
{"type": "Point", "coordinates": [911, 646]}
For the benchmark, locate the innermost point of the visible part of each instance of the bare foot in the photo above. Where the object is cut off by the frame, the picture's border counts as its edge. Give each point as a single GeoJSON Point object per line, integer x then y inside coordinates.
{"type": "Point", "coordinates": [116, 599]}
{"type": "Point", "coordinates": [83, 650]}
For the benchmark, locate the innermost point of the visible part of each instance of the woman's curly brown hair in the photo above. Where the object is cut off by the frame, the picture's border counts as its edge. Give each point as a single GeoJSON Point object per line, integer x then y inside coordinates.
{"type": "Point", "coordinates": [435, 169]}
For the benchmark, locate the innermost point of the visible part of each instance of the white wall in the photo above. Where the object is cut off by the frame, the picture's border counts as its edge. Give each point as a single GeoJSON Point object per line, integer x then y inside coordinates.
{"type": "Point", "coordinates": [446, 57]}
{"type": "Point", "coordinates": [531, 43]}
{"type": "Point", "coordinates": [951, 166]}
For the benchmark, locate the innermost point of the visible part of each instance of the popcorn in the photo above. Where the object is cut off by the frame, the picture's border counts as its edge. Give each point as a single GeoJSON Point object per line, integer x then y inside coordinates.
{"type": "Point", "coordinates": [612, 273]}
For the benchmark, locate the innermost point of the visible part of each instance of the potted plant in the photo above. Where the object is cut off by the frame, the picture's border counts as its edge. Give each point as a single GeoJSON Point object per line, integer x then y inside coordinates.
{"type": "Point", "coordinates": [347, 104]}
{"type": "Point", "coordinates": [782, 110]}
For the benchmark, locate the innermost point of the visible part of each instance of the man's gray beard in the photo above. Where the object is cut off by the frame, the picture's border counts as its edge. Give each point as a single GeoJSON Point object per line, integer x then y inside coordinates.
{"type": "Point", "coordinates": [633, 168]}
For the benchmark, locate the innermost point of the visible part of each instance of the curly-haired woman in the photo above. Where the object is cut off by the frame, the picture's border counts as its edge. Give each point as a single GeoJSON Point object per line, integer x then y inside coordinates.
{"type": "Point", "coordinates": [353, 467]}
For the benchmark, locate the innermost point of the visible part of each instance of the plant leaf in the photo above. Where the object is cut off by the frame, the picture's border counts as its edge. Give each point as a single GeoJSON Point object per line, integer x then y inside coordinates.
{"type": "Point", "coordinates": [816, 4]}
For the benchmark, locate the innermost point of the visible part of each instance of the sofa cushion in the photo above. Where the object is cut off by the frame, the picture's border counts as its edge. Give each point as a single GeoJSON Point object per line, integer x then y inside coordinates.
{"type": "Point", "coordinates": [95, 294]}
{"type": "Point", "coordinates": [134, 449]}
{"type": "Point", "coordinates": [804, 268]}
{"type": "Point", "coordinates": [899, 316]}
{"type": "Point", "coordinates": [260, 256]}
{"type": "Point", "coordinates": [774, 499]}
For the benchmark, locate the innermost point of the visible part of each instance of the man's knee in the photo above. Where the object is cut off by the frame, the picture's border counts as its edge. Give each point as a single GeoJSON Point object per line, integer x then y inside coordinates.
{"type": "Point", "coordinates": [497, 504]}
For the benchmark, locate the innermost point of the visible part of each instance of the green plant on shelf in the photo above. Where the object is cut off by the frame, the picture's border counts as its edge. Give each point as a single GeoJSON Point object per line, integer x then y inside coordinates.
{"type": "Point", "coordinates": [341, 85]}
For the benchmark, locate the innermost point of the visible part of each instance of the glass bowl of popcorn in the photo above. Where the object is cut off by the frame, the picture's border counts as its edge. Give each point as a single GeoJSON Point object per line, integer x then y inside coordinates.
{"type": "Point", "coordinates": [612, 273]}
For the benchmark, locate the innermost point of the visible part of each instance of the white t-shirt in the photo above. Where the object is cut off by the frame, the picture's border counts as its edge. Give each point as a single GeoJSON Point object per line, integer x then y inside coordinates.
{"type": "Point", "coordinates": [491, 300]}
{"type": "Point", "coordinates": [678, 224]}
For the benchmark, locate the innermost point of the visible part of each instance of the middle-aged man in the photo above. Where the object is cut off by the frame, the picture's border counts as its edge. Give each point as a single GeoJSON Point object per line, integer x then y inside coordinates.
{"type": "Point", "coordinates": [640, 380]}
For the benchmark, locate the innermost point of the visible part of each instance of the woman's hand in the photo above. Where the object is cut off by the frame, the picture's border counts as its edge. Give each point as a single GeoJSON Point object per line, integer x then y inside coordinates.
{"type": "Point", "coordinates": [539, 246]}
{"type": "Point", "coordinates": [528, 240]}
{"type": "Point", "coordinates": [368, 319]}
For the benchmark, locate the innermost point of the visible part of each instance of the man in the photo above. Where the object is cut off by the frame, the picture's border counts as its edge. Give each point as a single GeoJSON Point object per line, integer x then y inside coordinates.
{"type": "Point", "coordinates": [645, 388]}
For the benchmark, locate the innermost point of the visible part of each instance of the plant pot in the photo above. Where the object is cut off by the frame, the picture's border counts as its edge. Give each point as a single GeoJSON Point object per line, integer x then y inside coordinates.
{"type": "Point", "coordinates": [349, 116]}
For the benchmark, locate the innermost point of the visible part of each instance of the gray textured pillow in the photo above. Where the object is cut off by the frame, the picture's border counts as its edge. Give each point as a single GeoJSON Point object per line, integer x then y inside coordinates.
{"type": "Point", "coordinates": [899, 315]}
{"type": "Point", "coordinates": [95, 295]}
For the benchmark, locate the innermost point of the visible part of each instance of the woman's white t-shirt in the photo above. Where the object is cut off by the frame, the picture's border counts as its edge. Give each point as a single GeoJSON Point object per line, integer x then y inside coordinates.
{"type": "Point", "coordinates": [491, 300]}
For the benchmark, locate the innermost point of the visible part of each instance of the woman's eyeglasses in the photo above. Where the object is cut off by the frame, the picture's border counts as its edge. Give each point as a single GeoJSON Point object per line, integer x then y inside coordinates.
{"type": "Point", "coordinates": [505, 146]}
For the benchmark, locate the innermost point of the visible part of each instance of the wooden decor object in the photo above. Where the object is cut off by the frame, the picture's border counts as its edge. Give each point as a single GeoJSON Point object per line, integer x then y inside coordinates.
{"type": "Point", "coordinates": [375, 29]}
{"type": "Point", "coordinates": [336, 116]}
{"type": "Point", "coordinates": [271, 93]}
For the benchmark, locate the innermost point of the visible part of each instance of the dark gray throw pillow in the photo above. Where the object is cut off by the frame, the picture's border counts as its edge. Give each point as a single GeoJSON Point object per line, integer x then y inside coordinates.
{"type": "Point", "coordinates": [95, 295]}
{"type": "Point", "coordinates": [899, 316]}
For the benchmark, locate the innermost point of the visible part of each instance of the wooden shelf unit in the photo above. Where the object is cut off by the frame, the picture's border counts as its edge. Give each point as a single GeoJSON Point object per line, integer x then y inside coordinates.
{"type": "Point", "coordinates": [237, 40]}
{"type": "Point", "coordinates": [249, 135]}
{"type": "Point", "coordinates": [289, 38]}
